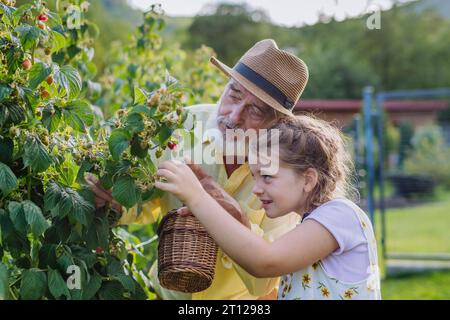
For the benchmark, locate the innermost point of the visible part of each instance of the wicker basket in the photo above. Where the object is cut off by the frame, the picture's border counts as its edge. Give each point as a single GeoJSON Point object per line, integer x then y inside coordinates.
{"type": "Point", "coordinates": [186, 254]}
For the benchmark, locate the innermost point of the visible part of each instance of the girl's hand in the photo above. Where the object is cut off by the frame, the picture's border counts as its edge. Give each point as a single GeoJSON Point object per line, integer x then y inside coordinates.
{"type": "Point", "coordinates": [180, 180]}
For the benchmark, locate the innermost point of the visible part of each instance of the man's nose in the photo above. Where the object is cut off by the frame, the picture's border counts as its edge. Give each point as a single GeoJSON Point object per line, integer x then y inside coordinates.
{"type": "Point", "coordinates": [236, 114]}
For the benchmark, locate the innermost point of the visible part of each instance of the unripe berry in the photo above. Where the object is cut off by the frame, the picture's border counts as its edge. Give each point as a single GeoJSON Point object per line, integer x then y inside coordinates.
{"type": "Point", "coordinates": [26, 64]}
{"type": "Point", "coordinates": [45, 140]}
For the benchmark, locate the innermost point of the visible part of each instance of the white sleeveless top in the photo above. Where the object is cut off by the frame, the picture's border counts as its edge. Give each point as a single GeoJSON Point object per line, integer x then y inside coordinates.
{"type": "Point", "coordinates": [314, 283]}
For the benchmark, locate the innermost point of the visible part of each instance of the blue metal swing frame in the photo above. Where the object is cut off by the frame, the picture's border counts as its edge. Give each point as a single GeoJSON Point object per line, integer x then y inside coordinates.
{"type": "Point", "coordinates": [369, 114]}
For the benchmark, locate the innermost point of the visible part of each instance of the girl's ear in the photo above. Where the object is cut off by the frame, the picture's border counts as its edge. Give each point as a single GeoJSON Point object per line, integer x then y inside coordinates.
{"type": "Point", "coordinates": [311, 177]}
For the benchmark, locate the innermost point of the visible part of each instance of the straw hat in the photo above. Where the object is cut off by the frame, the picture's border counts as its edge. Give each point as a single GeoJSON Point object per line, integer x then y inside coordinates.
{"type": "Point", "coordinates": [275, 76]}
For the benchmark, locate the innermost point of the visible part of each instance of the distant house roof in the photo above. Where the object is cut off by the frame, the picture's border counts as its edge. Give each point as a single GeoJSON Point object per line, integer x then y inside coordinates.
{"type": "Point", "coordinates": [355, 105]}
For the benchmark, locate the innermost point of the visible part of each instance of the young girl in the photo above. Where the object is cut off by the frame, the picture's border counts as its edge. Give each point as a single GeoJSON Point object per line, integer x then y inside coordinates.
{"type": "Point", "coordinates": [332, 254]}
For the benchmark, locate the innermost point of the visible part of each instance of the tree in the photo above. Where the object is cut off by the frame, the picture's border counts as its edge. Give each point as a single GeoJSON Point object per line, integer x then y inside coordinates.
{"type": "Point", "coordinates": [230, 29]}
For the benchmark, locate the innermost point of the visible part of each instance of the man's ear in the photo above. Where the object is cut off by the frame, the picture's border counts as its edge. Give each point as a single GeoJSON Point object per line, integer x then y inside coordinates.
{"type": "Point", "coordinates": [311, 178]}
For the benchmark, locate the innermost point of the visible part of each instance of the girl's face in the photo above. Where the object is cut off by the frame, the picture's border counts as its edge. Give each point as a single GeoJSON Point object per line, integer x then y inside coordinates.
{"type": "Point", "coordinates": [280, 193]}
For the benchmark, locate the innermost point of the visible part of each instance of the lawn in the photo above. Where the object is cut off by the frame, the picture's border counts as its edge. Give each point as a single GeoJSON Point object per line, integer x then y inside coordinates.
{"type": "Point", "coordinates": [430, 285]}
{"type": "Point", "coordinates": [420, 229]}
{"type": "Point", "coordinates": [424, 228]}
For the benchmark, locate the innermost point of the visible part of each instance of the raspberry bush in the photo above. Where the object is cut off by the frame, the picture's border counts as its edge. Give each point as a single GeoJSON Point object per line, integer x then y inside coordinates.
{"type": "Point", "coordinates": [52, 133]}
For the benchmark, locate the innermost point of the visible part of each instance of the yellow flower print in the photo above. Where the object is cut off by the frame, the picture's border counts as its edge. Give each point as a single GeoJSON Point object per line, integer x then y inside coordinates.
{"type": "Point", "coordinates": [306, 279]}
{"type": "Point", "coordinates": [325, 292]}
{"type": "Point", "coordinates": [348, 294]}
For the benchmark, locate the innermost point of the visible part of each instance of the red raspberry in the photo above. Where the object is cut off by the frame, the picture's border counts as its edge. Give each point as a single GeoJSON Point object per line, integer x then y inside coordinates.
{"type": "Point", "coordinates": [171, 145]}
{"type": "Point", "coordinates": [42, 17]}
{"type": "Point", "coordinates": [45, 94]}
{"type": "Point", "coordinates": [99, 250]}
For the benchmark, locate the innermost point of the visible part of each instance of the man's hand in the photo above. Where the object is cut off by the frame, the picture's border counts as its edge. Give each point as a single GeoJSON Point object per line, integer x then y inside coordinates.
{"type": "Point", "coordinates": [103, 197]}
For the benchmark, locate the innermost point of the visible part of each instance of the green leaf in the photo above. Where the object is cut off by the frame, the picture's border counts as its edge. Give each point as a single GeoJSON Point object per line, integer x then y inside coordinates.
{"type": "Point", "coordinates": [38, 73]}
{"type": "Point", "coordinates": [134, 123]}
{"type": "Point", "coordinates": [114, 267]}
{"type": "Point", "coordinates": [51, 121]}
{"type": "Point", "coordinates": [92, 287]}
{"type": "Point", "coordinates": [127, 282]}
{"type": "Point", "coordinates": [29, 36]}
{"type": "Point", "coordinates": [140, 96]}
{"type": "Point", "coordinates": [14, 57]}
{"type": "Point", "coordinates": [11, 112]}
{"type": "Point", "coordinates": [164, 133]}
{"type": "Point", "coordinates": [118, 142]}
{"type": "Point", "coordinates": [126, 192]}
{"type": "Point", "coordinates": [84, 167]}
{"type": "Point", "coordinates": [65, 260]}
{"type": "Point", "coordinates": [143, 109]}
{"type": "Point", "coordinates": [8, 13]}
{"type": "Point", "coordinates": [78, 114]}
{"type": "Point", "coordinates": [111, 290]}
{"type": "Point", "coordinates": [53, 199]}
{"type": "Point", "coordinates": [136, 148]}
{"type": "Point", "coordinates": [56, 285]}
{"type": "Point", "coordinates": [67, 171]}
{"type": "Point", "coordinates": [5, 91]}
{"type": "Point", "coordinates": [69, 79]}
{"type": "Point", "coordinates": [33, 285]}
{"type": "Point", "coordinates": [36, 155]}
{"type": "Point", "coordinates": [21, 11]}
{"type": "Point", "coordinates": [98, 233]}
{"type": "Point", "coordinates": [34, 218]}
{"type": "Point", "coordinates": [54, 18]}
{"type": "Point", "coordinates": [4, 284]}
{"type": "Point", "coordinates": [47, 256]}
{"type": "Point", "coordinates": [6, 150]}
{"type": "Point", "coordinates": [17, 217]}
{"type": "Point", "coordinates": [31, 97]}
{"type": "Point", "coordinates": [15, 242]}
{"type": "Point", "coordinates": [8, 180]}
{"type": "Point", "coordinates": [63, 201]}
{"type": "Point", "coordinates": [58, 41]}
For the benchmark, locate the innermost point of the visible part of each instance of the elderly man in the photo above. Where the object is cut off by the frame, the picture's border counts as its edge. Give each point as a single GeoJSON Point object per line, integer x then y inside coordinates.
{"type": "Point", "coordinates": [264, 86]}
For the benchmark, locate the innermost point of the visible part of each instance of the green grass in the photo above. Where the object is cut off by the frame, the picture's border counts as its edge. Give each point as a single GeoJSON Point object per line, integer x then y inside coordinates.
{"type": "Point", "coordinates": [424, 228]}
{"type": "Point", "coordinates": [424, 286]}
{"type": "Point", "coordinates": [421, 229]}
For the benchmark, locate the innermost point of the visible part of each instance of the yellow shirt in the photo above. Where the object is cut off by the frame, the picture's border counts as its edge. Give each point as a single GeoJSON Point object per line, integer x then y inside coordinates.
{"type": "Point", "coordinates": [230, 281]}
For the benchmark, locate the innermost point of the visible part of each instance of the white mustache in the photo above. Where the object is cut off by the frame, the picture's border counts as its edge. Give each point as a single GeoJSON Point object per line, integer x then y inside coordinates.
{"type": "Point", "coordinates": [227, 122]}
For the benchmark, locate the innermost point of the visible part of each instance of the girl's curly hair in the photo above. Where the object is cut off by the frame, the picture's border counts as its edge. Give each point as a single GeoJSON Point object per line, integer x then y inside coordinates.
{"type": "Point", "coordinates": [306, 142]}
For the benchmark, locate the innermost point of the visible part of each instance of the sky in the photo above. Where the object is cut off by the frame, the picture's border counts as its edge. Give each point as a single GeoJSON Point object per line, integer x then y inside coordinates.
{"type": "Point", "coordinates": [283, 12]}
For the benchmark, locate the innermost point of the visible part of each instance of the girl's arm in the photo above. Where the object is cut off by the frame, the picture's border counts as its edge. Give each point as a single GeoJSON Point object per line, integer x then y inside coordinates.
{"type": "Point", "coordinates": [303, 246]}
{"type": "Point", "coordinates": [299, 248]}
